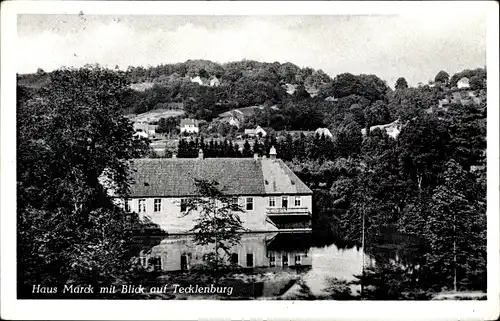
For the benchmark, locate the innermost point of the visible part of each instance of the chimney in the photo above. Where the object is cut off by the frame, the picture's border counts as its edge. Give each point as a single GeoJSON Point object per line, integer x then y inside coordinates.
{"type": "Point", "coordinates": [174, 155]}
{"type": "Point", "coordinates": [272, 153]}
{"type": "Point", "coordinates": [255, 156]}
{"type": "Point", "coordinates": [200, 154]}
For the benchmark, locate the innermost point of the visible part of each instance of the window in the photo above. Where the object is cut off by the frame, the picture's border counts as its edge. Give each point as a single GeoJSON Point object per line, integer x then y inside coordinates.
{"type": "Point", "coordinates": [127, 205]}
{"type": "Point", "coordinates": [157, 205]}
{"type": "Point", "coordinates": [272, 202]}
{"type": "Point", "coordinates": [284, 202]}
{"type": "Point", "coordinates": [284, 260]}
{"type": "Point", "coordinates": [298, 260]}
{"type": "Point", "coordinates": [234, 258]}
{"type": "Point", "coordinates": [183, 205]}
{"type": "Point", "coordinates": [156, 263]}
{"type": "Point", "coordinates": [142, 205]}
{"type": "Point", "coordinates": [184, 262]}
{"type": "Point", "coordinates": [272, 260]}
{"type": "Point", "coordinates": [298, 201]}
{"type": "Point", "coordinates": [249, 203]}
{"type": "Point", "coordinates": [235, 201]}
{"type": "Point", "coordinates": [144, 261]}
{"type": "Point", "coordinates": [250, 260]}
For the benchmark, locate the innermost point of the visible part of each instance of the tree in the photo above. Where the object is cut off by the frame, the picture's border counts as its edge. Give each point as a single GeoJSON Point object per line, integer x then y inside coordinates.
{"type": "Point", "coordinates": [424, 147]}
{"type": "Point", "coordinates": [73, 147]}
{"type": "Point", "coordinates": [300, 93]}
{"type": "Point", "coordinates": [369, 86]}
{"type": "Point", "coordinates": [377, 114]}
{"type": "Point", "coordinates": [475, 82]}
{"type": "Point", "coordinates": [456, 230]}
{"type": "Point", "coordinates": [217, 222]}
{"type": "Point", "coordinates": [442, 77]}
{"type": "Point", "coordinates": [469, 73]}
{"type": "Point", "coordinates": [348, 140]}
{"type": "Point", "coordinates": [167, 125]}
{"type": "Point", "coordinates": [401, 83]}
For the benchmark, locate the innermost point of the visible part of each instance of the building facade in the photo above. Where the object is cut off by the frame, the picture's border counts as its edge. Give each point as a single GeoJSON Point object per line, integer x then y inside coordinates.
{"type": "Point", "coordinates": [272, 196]}
{"type": "Point", "coordinates": [463, 83]}
{"type": "Point", "coordinates": [258, 131]}
{"type": "Point", "coordinates": [189, 126]}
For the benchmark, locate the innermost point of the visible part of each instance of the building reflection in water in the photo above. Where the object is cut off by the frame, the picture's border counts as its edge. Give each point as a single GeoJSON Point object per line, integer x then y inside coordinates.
{"type": "Point", "coordinates": [256, 250]}
{"type": "Point", "coordinates": [278, 253]}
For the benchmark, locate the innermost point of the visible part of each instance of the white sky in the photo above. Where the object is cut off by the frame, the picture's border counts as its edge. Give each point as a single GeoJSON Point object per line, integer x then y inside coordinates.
{"type": "Point", "coordinates": [415, 47]}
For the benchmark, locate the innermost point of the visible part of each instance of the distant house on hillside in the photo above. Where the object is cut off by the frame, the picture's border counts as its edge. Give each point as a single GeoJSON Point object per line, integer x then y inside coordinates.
{"type": "Point", "coordinates": [463, 83]}
{"type": "Point", "coordinates": [330, 98]}
{"type": "Point", "coordinates": [146, 127]}
{"type": "Point", "coordinates": [241, 113]}
{"type": "Point", "coordinates": [297, 133]}
{"type": "Point", "coordinates": [290, 89]}
{"type": "Point", "coordinates": [214, 82]}
{"type": "Point", "coordinates": [258, 131]}
{"type": "Point", "coordinates": [233, 121]}
{"type": "Point", "coordinates": [189, 126]}
{"type": "Point", "coordinates": [233, 117]}
{"type": "Point", "coordinates": [197, 80]}
{"type": "Point", "coordinates": [140, 135]}
{"type": "Point", "coordinates": [323, 131]}
{"type": "Point", "coordinates": [392, 129]}
{"type": "Point", "coordinates": [443, 102]}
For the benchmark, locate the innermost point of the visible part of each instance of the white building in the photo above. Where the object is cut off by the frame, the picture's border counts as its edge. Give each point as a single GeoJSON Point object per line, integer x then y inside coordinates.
{"type": "Point", "coordinates": [233, 121]}
{"type": "Point", "coordinates": [272, 196]}
{"type": "Point", "coordinates": [463, 83]}
{"type": "Point", "coordinates": [323, 131]}
{"type": "Point", "coordinates": [141, 134]}
{"type": "Point", "coordinates": [197, 80]}
{"type": "Point", "coordinates": [214, 82]}
{"type": "Point", "coordinates": [258, 131]}
{"type": "Point", "coordinates": [392, 129]}
{"type": "Point", "coordinates": [145, 127]}
{"type": "Point", "coordinates": [189, 126]}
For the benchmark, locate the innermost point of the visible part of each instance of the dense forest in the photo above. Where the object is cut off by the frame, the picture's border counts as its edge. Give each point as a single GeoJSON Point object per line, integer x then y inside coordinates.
{"type": "Point", "coordinates": [71, 140]}
{"type": "Point", "coordinates": [428, 184]}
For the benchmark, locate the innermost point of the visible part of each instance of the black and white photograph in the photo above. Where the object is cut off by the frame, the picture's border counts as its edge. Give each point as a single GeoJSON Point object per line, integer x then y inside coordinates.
{"type": "Point", "coordinates": [156, 152]}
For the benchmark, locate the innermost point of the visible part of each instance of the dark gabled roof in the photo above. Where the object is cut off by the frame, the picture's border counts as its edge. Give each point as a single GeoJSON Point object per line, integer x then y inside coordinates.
{"type": "Point", "coordinates": [175, 177]}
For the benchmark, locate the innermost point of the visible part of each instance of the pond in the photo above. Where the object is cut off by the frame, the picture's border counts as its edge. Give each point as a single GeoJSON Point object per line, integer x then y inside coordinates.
{"type": "Point", "coordinates": [265, 265]}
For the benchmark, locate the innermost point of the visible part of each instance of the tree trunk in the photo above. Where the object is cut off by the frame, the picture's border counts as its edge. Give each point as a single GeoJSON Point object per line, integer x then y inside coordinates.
{"type": "Point", "coordinates": [362, 251]}
{"type": "Point", "coordinates": [454, 255]}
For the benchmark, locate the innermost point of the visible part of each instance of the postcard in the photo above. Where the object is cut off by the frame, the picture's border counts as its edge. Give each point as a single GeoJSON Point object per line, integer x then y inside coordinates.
{"type": "Point", "coordinates": [267, 160]}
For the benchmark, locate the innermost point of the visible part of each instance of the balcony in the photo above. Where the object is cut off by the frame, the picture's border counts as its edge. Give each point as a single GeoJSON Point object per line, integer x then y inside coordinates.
{"type": "Point", "coordinates": [277, 211]}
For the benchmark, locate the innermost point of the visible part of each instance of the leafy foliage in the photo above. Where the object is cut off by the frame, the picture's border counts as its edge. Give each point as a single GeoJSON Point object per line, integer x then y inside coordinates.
{"type": "Point", "coordinates": [442, 77]}
{"type": "Point", "coordinates": [401, 83]}
{"type": "Point", "coordinates": [72, 152]}
{"type": "Point", "coordinates": [217, 222]}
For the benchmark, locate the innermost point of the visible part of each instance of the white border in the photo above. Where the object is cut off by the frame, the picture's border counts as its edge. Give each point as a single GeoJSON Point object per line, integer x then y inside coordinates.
{"type": "Point", "coordinates": [188, 310]}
